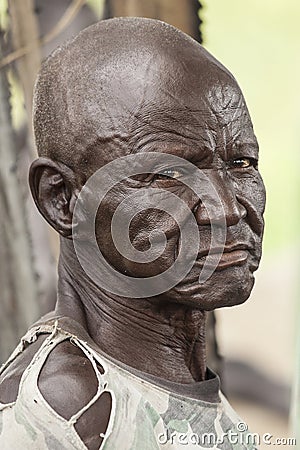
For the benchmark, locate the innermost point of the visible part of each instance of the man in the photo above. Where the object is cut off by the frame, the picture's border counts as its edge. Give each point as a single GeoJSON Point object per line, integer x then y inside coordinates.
{"type": "Point", "coordinates": [146, 138]}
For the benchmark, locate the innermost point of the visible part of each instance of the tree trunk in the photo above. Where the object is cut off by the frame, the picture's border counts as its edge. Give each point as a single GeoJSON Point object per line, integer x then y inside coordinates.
{"type": "Point", "coordinates": [18, 282]}
{"type": "Point", "coordinates": [25, 33]}
{"type": "Point", "coordinates": [182, 14]}
{"type": "Point", "coordinates": [27, 273]}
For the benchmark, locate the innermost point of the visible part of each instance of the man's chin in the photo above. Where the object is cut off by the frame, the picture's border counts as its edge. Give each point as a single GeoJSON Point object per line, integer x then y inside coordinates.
{"type": "Point", "coordinates": [228, 287]}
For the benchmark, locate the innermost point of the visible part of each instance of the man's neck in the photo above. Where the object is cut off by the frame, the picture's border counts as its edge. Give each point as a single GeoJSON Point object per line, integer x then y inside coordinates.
{"type": "Point", "coordinates": [151, 335]}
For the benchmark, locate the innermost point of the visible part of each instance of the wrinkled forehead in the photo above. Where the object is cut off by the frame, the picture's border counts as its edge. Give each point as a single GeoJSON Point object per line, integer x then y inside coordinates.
{"type": "Point", "coordinates": [145, 90]}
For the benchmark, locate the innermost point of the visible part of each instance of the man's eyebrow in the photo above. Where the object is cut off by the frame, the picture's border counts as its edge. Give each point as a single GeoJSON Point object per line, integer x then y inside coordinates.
{"type": "Point", "coordinates": [188, 148]}
{"type": "Point", "coordinates": [188, 152]}
{"type": "Point", "coordinates": [243, 146]}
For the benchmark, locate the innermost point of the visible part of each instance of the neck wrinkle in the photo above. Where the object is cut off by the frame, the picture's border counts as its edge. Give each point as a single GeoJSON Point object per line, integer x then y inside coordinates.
{"type": "Point", "coordinates": [163, 340]}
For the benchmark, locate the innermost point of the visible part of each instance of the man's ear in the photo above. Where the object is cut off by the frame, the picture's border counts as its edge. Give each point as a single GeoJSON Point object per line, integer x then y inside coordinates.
{"type": "Point", "coordinates": [54, 189]}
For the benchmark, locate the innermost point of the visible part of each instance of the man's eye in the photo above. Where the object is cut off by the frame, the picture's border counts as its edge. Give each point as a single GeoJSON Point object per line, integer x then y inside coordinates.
{"type": "Point", "coordinates": [169, 173]}
{"type": "Point", "coordinates": [244, 163]}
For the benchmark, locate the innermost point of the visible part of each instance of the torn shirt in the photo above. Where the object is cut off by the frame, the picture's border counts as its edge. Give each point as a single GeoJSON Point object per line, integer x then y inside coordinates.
{"type": "Point", "coordinates": [147, 413]}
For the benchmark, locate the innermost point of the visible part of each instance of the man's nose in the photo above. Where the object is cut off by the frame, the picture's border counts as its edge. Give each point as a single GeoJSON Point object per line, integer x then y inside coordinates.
{"type": "Point", "coordinates": [219, 202]}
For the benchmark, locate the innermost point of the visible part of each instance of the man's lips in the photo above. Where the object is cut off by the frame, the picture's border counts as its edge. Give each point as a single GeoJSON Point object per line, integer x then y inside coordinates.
{"type": "Point", "coordinates": [221, 258]}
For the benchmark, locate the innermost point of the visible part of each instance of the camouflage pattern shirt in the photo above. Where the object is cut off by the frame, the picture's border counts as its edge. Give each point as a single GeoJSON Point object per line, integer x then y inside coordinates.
{"type": "Point", "coordinates": [147, 413]}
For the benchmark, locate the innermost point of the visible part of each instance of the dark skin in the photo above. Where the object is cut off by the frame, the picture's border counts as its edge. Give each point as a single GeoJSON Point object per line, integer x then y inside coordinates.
{"type": "Point", "coordinates": [147, 96]}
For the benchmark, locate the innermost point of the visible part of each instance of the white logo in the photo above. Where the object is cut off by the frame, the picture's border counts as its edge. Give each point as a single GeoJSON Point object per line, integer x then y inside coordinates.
{"type": "Point", "coordinates": [102, 181]}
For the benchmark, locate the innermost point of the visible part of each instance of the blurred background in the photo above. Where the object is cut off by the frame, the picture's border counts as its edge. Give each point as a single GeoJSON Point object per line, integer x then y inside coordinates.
{"type": "Point", "coordinates": [259, 41]}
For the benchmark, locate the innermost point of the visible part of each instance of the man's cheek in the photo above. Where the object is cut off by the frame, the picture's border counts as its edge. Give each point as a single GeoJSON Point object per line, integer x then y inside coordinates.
{"type": "Point", "coordinates": [158, 234]}
{"type": "Point", "coordinates": [154, 267]}
{"type": "Point", "coordinates": [256, 192]}
{"type": "Point", "coordinates": [152, 227]}
{"type": "Point", "coordinates": [251, 193]}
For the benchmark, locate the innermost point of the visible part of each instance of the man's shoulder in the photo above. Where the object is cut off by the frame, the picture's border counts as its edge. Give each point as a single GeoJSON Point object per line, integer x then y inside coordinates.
{"type": "Point", "coordinates": [67, 375]}
{"type": "Point", "coordinates": [68, 382]}
{"type": "Point", "coordinates": [12, 373]}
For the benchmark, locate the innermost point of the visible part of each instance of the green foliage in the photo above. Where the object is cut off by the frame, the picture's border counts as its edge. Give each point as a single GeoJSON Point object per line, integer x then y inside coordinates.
{"type": "Point", "coordinates": [3, 15]}
{"type": "Point", "coordinates": [96, 6]}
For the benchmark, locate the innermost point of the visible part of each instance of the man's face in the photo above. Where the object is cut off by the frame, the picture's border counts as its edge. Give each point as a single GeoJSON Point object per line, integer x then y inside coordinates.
{"type": "Point", "coordinates": [203, 120]}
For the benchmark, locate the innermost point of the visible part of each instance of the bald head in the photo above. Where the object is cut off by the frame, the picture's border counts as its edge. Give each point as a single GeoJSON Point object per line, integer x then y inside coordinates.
{"type": "Point", "coordinates": [141, 86]}
{"type": "Point", "coordinates": [102, 88]}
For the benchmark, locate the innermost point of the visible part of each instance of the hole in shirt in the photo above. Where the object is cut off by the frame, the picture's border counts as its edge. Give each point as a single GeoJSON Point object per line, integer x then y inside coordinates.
{"type": "Point", "coordinates": [93, 423]}
{"type": "Point", "coordinates": [68, 382]}
{"type": "Point", "coordinates": [11, 377]}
